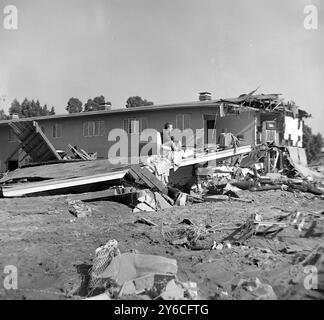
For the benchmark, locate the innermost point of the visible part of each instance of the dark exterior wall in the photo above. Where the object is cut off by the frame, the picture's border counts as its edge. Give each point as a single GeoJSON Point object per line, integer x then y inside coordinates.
{"type": "Point", "coordinates": [6, 146]}
{"type": "Point", "coordinates": [72, 129]}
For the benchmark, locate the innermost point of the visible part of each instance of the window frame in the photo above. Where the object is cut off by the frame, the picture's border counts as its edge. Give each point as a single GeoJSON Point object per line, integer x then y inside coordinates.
{"type": "Point", "coordinates": [183, 122]}
{"type": "Point", "coordinates": [93, 128]}
{"type": "Point", "coordinates": [127, 124]}
{"type": "Point", "coordinates": [57, 128]}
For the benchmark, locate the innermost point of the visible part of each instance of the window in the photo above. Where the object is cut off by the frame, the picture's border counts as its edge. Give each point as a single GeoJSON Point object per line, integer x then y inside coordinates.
{"type": "Point", "coordinates": [93, 128]}
{"type": "Point", "coordinates": [135, 125]}
{"type": "Point", "coordinates": [11, 136]}
{"type": "Point", "coordinates": [57, 130]}
{"type": "Point", "coordinates": [183, 121]}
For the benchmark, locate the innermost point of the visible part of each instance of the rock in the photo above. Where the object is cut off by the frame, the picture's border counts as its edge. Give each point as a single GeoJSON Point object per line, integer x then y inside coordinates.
{"type": "Point", "coordinates": [259, 290]}
{"type": "Point", "coordinates": [219, 247]}
{"type": "Point", "coordinates": [79, 209]}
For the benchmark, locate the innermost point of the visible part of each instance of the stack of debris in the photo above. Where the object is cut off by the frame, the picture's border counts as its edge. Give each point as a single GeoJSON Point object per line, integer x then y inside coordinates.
{"type": "Point", "coordinates": [146, 188]}
{"type": "Point", "coordinates": [134, 275]}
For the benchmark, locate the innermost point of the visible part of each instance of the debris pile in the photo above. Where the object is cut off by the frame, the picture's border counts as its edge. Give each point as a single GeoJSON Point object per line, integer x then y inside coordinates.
{"type": "Point", "coordinates": [79, 209]}
{"type": "Point", "coordinates": [135, 275]}
{"type": "Point", "coordinates": [226, 235]}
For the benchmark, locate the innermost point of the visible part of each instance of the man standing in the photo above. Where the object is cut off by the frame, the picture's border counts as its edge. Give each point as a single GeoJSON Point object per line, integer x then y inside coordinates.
{"type": "Point", "coordinates": [168, 139]}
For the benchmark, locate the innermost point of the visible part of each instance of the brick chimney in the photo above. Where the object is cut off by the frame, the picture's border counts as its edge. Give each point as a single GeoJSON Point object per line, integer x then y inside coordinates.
{"type": "Point", "coordinates": [203, 96]}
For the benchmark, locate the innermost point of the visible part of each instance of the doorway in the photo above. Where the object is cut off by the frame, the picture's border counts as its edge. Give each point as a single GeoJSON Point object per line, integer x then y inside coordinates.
{"type": "Point", "coordinates": [210, 131]}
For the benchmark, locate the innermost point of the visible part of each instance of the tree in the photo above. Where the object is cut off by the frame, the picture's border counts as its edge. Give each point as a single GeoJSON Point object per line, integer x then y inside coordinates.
{"type": "Point", "coordinates": [99, 100]}
{"type": "Point", "coordinates": [96, 104]}
{"type": "Point", "coordinates": [137, 101]}
{"type": "Point", "coordinates": [29, 108]}
{"type": "Point", "coordinates": [15, 108]}
{"type": "Point", "coordinates": [313, 144]}
{"type": "Point", "coordinates": [90, 106]}
{"type": "Point", "coordinates": [3, 115]}
{"type": "Point", "coordinates": [74, 105]}
{"type": "Point", "coordinates": [52, 112]}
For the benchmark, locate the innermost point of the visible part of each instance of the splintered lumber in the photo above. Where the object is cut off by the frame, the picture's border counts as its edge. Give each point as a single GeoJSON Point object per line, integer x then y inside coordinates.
{"type": "Point", "coordinates": [242, 233]}
{"type": "Point", "coordinates": [241, 200]}
{"type": "Point", "coordinates": [194, 199]}
{"type": "Point", "coordinates": [168, 199]}
{"type": "Point", "coordinates": [146, 221]}
{"type": "Point", "coordinates": [81, 154]}
{"type": "Point", "coordinates": [143, 175]}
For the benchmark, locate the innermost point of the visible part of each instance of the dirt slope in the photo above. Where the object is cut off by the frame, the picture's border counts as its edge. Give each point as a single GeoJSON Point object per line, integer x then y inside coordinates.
{"type": "Point", "coordinates": [52, 250]}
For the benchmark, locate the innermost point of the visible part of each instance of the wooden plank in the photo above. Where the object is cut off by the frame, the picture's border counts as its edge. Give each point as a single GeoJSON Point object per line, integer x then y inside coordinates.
{"type": "Point", "coordinates": [94, 196]}
{"type": "Point", "coordinates": [148, 178]}
{"type": "Point", "coordinates": [78, 153]}
{"type": "Point", "coordinates": [48, 143]}
{"type": "Point", "coordinates": [215, 155]}
{"type": "Point", "coordinates": [219, 197]}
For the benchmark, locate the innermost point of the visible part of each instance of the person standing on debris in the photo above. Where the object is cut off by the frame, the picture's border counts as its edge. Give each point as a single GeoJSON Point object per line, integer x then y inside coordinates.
{"type": "Point", "coordinates": [167, 139]}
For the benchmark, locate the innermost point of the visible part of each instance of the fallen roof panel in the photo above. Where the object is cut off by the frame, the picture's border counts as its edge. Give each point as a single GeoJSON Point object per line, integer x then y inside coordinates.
{"type": "Point", "coordinates": [34, 142]}
{"type": "Point", "coordinates": [30, 188]}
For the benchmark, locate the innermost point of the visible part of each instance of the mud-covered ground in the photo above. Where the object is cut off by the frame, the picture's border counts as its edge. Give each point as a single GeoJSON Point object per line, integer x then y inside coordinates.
{"type": "Point", "coordinates": [52, 250]}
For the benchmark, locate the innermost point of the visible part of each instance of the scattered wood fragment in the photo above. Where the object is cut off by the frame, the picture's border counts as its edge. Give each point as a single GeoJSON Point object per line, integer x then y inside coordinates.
{"type": "Point", "coordinates": [146, 221]}
{"type": "Point", "coordinates": [80, 154]}
{"type": "Point", "coordinates": [213, 198]}
{"type": "Point", "coordinates": [241, 200]}
{"type": "Point", "coordinates": [143, 207]}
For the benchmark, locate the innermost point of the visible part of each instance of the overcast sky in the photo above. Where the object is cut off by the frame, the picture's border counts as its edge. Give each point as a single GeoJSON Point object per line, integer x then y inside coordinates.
{"type": "Point", "coordinates": [163, 50]}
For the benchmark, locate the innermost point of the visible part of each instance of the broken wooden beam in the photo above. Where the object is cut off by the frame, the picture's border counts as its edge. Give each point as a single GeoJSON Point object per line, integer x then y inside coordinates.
{"type": "Point", "coordinates": [143, 175]}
